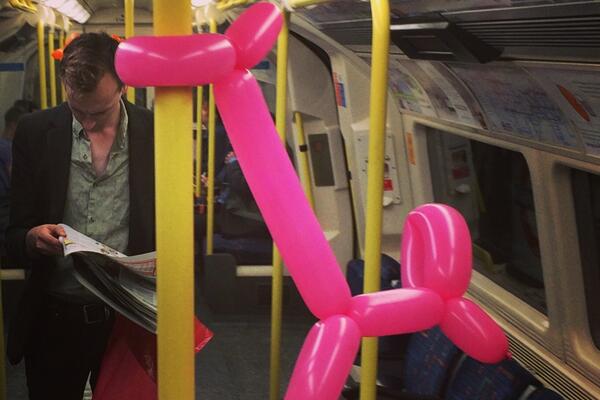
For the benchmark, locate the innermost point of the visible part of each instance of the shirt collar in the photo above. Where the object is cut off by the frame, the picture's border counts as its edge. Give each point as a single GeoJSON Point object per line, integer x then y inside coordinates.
{"type": "Point", "coordinates": [121, 141]}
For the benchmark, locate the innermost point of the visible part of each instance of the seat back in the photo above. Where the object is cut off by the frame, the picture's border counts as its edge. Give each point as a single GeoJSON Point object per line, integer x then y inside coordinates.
{"type": "Point", "coordinates": [430, 360]}
{"type": "Point", "coordinates": [503, 381]}
{"type": "Point", "coordinates": [544, 394]}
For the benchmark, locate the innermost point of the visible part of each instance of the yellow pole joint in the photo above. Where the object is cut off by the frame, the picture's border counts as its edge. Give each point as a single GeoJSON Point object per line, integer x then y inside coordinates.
{"type": "Point", "coordinates": [303, 158]}
{"type": "Point", "coordinates": [174, 219]}
{"type": "Point", "coordinates": [129, 32]}
{"type": "Point", "coordinates": [42, 65]}
{"type": "Point", "coordinates": [380, 10]}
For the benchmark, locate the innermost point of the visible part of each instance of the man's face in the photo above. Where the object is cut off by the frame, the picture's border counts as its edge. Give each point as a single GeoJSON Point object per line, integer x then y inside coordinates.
{"type": "Point", "coordinates": [96, 109]}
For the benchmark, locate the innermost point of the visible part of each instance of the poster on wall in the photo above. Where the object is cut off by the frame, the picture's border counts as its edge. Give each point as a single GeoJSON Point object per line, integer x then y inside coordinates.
{"type": "Point", "coordinates": [577, 93]}
{"type": "Point", "coordinates": [514, 103]}
{"type": "Point", "coordinates": [407, 90]}
{"type": "Point", "coordinates": [449, 97]}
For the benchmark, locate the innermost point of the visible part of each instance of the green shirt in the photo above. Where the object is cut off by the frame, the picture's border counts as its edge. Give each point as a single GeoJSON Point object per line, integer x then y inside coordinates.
{"type": "Point", "coordinates": [97, 206]}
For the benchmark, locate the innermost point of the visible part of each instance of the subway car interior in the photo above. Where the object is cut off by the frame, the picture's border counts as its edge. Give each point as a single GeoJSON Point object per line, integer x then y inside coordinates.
{"type": "Point", "coordinates": [491, 107]}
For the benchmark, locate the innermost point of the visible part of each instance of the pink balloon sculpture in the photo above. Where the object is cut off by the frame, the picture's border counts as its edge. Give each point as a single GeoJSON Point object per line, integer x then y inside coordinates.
{"type": "Point", "coordinates": [436, 249]}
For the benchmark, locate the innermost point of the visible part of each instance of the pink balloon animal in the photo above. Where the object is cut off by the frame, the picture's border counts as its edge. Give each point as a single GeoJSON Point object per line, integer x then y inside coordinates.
{"type": "Point", "coordinates": [436, 249]}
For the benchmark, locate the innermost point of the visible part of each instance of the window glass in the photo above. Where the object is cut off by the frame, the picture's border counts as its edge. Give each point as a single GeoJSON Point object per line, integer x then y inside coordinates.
{"type": "Point", "coordinates": [586, 195]}
{"type": "Point", "coordinates": [491, 187]}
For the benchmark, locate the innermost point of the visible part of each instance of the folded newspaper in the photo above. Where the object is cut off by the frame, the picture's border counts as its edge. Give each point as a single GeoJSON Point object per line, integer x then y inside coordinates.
{"type": "Point", "coordinates": [126, 283]}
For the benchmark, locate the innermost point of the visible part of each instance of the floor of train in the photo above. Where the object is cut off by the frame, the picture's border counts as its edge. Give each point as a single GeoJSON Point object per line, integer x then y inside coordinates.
{"type": "Point", "coordinates": [234, 364]}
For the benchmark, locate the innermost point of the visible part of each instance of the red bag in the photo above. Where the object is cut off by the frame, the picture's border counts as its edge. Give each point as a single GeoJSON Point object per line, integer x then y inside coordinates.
{"type": "Point", "coordinates": [128, 368]}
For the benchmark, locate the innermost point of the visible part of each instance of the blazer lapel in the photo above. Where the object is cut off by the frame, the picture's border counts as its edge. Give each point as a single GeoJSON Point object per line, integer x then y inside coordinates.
{"type": "Point", "coordinates": [59, 142]}
{"type": "Point", "coordinates": [141, 180]}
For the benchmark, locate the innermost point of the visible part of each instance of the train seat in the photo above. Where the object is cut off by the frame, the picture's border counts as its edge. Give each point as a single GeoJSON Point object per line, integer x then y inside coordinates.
{"type": "Point", "coordinates": [544, 394]}
{"type": "Point", "coordinates": [245, 250]}
{"type": "Point", "coordinates": [502, 381]}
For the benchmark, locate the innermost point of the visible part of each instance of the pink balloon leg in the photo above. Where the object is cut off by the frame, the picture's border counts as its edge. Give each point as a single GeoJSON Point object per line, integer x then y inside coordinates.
{"type": "Point", "coordinates": [474, 332]}
{"type": "Point", "coordinates": [276, 188]}
{"type": "Point", "coordinates": [392, 312]}
{"type": "Point", "coordinates": [325, 360]}
{"type": "Point", "coordinates": [192, 60]}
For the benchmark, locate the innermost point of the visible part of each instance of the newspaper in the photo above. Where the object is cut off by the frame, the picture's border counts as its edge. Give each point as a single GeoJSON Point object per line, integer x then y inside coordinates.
{"type": "Point", "coordinates": [126, 283]}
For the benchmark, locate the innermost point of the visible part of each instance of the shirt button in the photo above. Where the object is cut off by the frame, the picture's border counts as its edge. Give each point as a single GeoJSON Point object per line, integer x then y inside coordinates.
{"type": "Point", "coordinates": [91, 219]}
{"type": "Point", "coordinates": [85, 156]}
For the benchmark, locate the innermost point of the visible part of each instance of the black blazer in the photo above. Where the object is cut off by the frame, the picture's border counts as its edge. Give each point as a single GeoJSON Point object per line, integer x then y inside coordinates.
{"type": "Point", "coordinates": [40, 176]}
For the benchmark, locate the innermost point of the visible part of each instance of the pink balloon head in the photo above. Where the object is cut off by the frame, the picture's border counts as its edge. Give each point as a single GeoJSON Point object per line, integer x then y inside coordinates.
{"type": "Point", "coordinates": [254, 33]}
{"type": "Point", "coordinates": [192, 60]}
{"type": "Point", "coordinates": [436, 250]}
{"type": "Point", "coordinates": [474, 332]}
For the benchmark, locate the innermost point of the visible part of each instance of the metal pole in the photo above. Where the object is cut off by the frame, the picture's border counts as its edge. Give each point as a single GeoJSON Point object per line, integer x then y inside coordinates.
{"type": "Point", "coordinates": [129, 29]}
{"type": "Point", "coordinates": [210, 195]}
{"type": "Point", "coordinates": [380, 10]}
{"type": "Point", "coordinates": [174, 219]}
{"type": "Point", "coordinates": [42, 65]}
{"type": "Point", "coordinates": [277, 278]}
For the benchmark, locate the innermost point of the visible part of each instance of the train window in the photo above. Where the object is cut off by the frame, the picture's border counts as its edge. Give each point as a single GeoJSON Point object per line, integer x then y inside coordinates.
{"type": "Point", "coordinates": [491, 187]}
{"type": "Point", "coordinates": [586, 194]}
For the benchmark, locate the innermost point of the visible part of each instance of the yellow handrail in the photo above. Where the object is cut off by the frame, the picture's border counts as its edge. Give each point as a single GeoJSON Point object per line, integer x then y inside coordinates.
{"type": "Point", "coordinates": [303, 158]}
{"type": "Point", "coordinates": [129, 32]}
{"type": "Point", "coordinates": [210, 192]}
{"type": "Point", "coordinates": [51, 67]}
{"type": "Point", "coordinates": [24, 5]}
{"type": "Point", "coordinates": [277, 278]}
{"type": "Point", "coordinates": [61, 43]}
{"type": "Point", "coordinates": [198, 172]}
{"type": "Point", "coordinates": [174, 226]}
{"type": "Point", "coordinates": [380, 10]}
{"type": "Point", "coordinates": [42, 65]}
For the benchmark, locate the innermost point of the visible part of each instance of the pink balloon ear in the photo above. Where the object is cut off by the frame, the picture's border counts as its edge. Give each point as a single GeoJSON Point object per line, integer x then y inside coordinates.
{"type": "Point", "coordinates": [254, 33]}
{"type": "Point", "coordinates": [436, 250]}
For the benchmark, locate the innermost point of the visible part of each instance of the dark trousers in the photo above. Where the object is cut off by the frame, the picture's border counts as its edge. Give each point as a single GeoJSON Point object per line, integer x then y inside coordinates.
{"type": "Point", "coordinates": [67, 346]}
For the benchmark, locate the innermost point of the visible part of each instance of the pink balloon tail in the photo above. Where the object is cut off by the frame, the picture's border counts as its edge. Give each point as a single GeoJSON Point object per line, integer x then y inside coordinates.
{"type": "Point", "coordinates": [192, 60]}
{"type": "Point", "coordinates": [325, 360]}
{"type": "Point", "coordinates": [254, 33]}
{"type": "Point", "coordinates": [278, 193]}
{"type": "Point", "coordinates": [474, 332]}
{"type": "Point", "coordinates": [396, 311]}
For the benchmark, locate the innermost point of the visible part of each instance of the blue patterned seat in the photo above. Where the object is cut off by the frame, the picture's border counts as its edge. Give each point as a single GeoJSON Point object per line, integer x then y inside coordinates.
{"type": "Point", "coordinates": [473, 380]}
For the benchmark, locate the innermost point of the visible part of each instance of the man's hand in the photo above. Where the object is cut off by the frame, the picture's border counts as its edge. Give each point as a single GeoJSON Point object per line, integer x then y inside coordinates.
{"type": "Point", "coordinates": [44, 239]}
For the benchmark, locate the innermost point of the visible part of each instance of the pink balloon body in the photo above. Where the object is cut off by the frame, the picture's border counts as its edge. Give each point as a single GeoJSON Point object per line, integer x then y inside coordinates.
{"type": "Point", "coordinates": [396, 311]}
{"type": "Point", "coordinates": [276, 188]}
{"type": "Point", "coordinates": [474, 332]}
{"type": "Point", "coordinates": [436, 250]}
{"type": "Point", "coordinates": [191, 60]}
{"type": "Point", "coordinates": [325, 360]}
{"type": "Point", "coordinates": [254, 33]}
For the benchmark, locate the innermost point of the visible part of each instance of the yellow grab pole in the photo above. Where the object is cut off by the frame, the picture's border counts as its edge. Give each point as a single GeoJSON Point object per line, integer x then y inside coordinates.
{"type": "Point", "coordinates": [198, 172]}
{"type": "Point", "coordinates": [129, 29]}
{"type": "Point", "coordinates": [61, 43]}
{"type": "Point", "coordinates": [174, 219]}
{"type": "Point", "coordinates": [303, 158]}
{"type": "Point", "coordinates": [277, 279]}
{"type": "Point", "coordinates": [210, 191]}
{"type": "Point", "coordinates": [380, 10]}
{"type": "Point", "coordinates": [51, 67]}
{"type": "Point", "coordinates": [42, 65]}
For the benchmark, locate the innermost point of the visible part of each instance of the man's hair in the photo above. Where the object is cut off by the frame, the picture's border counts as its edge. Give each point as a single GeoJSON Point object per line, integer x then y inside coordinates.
{"type": "Point", "coordinates": [86, 59]}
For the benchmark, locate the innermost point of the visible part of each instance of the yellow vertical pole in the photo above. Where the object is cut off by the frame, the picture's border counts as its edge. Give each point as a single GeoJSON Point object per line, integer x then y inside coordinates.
{"type": "Point", "coordinates": [129, 29]}
{"type": "Point", "coordinates": [303, 158]}
{"type": "Point", "coordinates": [42, 64]}
{"type": "Point", "coordinates": [174, 219]}
{"type": "Point", "coordinates": [380, 10]}
{"type": "Point", "coordinates": [210, 192]}
{"type": "Point", "coordinates": [277, 279]}
{"type": "Point", "coordinates": [61, 43]}
{"type": "Point", "coordinates": [198, 172]}
{"type": "Point", "coordinates": [51, 67]}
